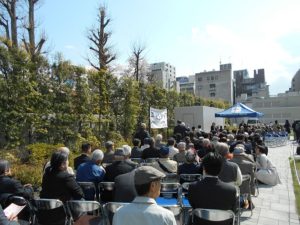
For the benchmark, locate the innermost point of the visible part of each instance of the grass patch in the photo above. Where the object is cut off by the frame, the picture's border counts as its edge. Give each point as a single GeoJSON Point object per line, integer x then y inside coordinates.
{"type": "Point", "coordinates": [295, 181]}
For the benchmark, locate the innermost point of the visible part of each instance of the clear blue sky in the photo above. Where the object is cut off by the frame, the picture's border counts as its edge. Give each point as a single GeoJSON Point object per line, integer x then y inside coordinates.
{"type": "Point", "coordinates": [192, 35]}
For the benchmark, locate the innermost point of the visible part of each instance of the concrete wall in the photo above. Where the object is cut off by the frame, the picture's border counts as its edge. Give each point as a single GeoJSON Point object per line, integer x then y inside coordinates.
{"type": "Point", "coordinates": [198, 115]}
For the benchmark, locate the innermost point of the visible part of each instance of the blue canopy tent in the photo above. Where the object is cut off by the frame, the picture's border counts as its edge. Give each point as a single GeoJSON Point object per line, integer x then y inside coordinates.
{"type": "Point", "coordinates": [238, 110]}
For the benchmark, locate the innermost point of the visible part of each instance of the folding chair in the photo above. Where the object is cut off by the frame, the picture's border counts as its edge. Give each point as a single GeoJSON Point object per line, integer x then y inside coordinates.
{"type": "Point", "coordinates": [49, 211]}
{"type": "Point", "coordinates": [85, 212]}
{"type": "Point", "coordinates": [110, 209]}
{"type": "Point", "coordinates": [245, 190]}
{"type": "Point", "coordinates": [151, 160]}
{"type": "Point", "coordinates": [171, 178]}
{"type": "Point", "coordinates": [213, 215]}
{"type": "Point", "coordinates": [106, 191]}
{"type": "Point", "coordinates": [168, 190]}
{"type": "Point", "coordinates": [89, 190]}
{"type": "Point", "coordinates": [190, 177]}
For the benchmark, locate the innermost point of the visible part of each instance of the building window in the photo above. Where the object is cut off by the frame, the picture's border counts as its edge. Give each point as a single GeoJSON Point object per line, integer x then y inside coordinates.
{"type": "Point", "coordinates": [200, 79]}
{"type": "Point", "coordinates": [212, 85]}
{"type": "Point", "coordinates": [216, 77]}
{"type": "Point", "coordinates": [213, 94]}
{"type": "Point", "coordinates": [212, 78]}
{"type": "Point", "coordinates": [207, 78]}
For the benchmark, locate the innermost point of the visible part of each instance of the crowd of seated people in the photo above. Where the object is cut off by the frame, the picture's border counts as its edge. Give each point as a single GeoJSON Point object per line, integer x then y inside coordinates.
{"type": "Point", "coordinates": [236, 153]}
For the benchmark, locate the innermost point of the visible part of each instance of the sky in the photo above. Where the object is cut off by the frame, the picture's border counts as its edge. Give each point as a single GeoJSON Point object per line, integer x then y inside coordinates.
{"type": "Point", "coordinates": [192, 35]}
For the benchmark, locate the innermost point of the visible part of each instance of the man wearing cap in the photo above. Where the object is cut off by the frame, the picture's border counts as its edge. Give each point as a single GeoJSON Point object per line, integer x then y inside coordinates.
{"type": "Point", "coordinates": [164, 164]}
{"type": "Point", "coordinates": [143, 209]}
{"type": "Point", "coordinates": [119, 166]}
{"type": "Point", "coordinates": [246, 167]}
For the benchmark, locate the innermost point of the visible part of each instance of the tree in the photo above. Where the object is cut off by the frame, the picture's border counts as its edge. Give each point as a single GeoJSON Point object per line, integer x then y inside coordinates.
{"type": "Point", "coordinates": [102, 57]}
{"type": "Point", "coordinates": [8, 9]}
{"type": "Point", "coordinates": [31, 47]}
{"type": "Point", "coordinates": [138, 63]}
{"type": "Point", "coordinates": [99, 38]}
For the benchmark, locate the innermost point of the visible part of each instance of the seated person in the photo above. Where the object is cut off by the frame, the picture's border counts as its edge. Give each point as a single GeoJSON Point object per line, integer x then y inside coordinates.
{"type": "Point", "coordinates": [180, 156]}
{"type": "Point", "coordinates": [124, 190]}
{"type": "Point", "coordinates": [7, 220]}
{"type": "Point", "coordinates": [136, 151]}
{"type": "Point", "coordinates": [230, 171]}
{"type": "Point", "coordinates": [267, 172]}
{"type": "Point", "coordinates": [10, 185]}
{"type": "Point", "coordinates": [211, 192]}
{"type": "Point", "coordinates": [62, 149]}
{"type": "Point", "coordinates": [144, 209]}
{"type": "Point", "coordinates": [246, 167]}
{"type": "Point", "coordinates": [118, 167]}
{"type": "Point", "coordinates": [164, 164]}
{"type": "Point", "coordinates": [191, 166]}
{"type": "Point", "coordinates": [109, 154]}
{"type": "Point", "coordinates": [91, 171]}
{"type": "Point", "coordinates": [57, 183]}
{"type": "Point", "coordinates": [151, 151]}
{"type": "Point", "coordinates": [84, 157]}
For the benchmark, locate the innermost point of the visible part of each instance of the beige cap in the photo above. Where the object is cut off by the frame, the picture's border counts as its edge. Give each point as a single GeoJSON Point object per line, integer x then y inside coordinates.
{"type": "Point", "coordinates": [146, 174]}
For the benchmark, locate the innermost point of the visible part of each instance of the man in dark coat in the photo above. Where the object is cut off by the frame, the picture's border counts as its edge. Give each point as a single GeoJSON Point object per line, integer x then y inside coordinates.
{"type": "Point", "coordinates": [84, 157]}
{"type": "Point", "coordinates": [211, 192]}
{"type": "Point", "coordinates": [118, 167]}
{"type": "Point", "coordinates": [124, 187]}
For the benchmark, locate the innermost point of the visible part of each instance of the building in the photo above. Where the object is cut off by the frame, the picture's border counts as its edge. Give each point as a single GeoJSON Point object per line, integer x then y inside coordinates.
{"type": "Point", "coordinates": [164, 74]}
{"type": "Point", "coordinates": [250, 87]}
{"type": "Point", "coordinates": [193, 116]}
{"type": "Point", "coordinates": [215, 84]}
{"type": "Point", "coordinates": [295, 85]}
{"type": "Point", "coordinates": [186, 84]}
{"type": "Point", "coordinates": [281, 107]}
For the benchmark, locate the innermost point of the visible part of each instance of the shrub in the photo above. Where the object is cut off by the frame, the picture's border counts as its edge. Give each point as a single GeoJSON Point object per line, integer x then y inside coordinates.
{"type": "Point", "coordinates": [28, 174]}
{"type": "Point", "coordinates": [40, 153]}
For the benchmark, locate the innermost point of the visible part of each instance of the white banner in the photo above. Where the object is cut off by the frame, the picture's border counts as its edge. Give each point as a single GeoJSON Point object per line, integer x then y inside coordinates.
{"type": "Point", "coordinates": [158, 118]}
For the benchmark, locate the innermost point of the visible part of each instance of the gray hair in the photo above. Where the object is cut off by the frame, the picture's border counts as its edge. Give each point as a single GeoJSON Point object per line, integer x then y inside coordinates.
{"type": "Point", "coordinates": [230, 137]}
{"type": "Point", "coordinates": [222, 148]}
{"type": "Point", "coordinates": [158, 137]}
{"type": "Point", "coordinates": [127, 150]}
{"type": "Point", "coordinates": [181, 144]}
{"type": "Point", "coordinates": [64, 149]}
{"type": "Point", "coordinates": [206, 141]}
{"type": "Point", "coordinates": [97, 155]}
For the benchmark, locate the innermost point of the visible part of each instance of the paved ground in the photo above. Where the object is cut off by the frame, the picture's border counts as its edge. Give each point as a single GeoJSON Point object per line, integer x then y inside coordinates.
{"type": "Point", "coordinates": [275, 205]}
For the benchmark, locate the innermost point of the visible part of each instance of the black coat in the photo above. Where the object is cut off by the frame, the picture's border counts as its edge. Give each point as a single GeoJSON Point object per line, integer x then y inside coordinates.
{"type": "Point", "coordinates": [60, 185]}
{"type": "Point", "coordinates": [117, 168]}
{"type": "Point", "coordinates": [80, 159]}
{"type": "Point", "coordinates": [150, 153]}
{"type": "Point", "coordinates": [212, 193]}
{"type": "Point", "coordinates": [124, 188]}
{"type": "Point", "coordinates": [12, 186]}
